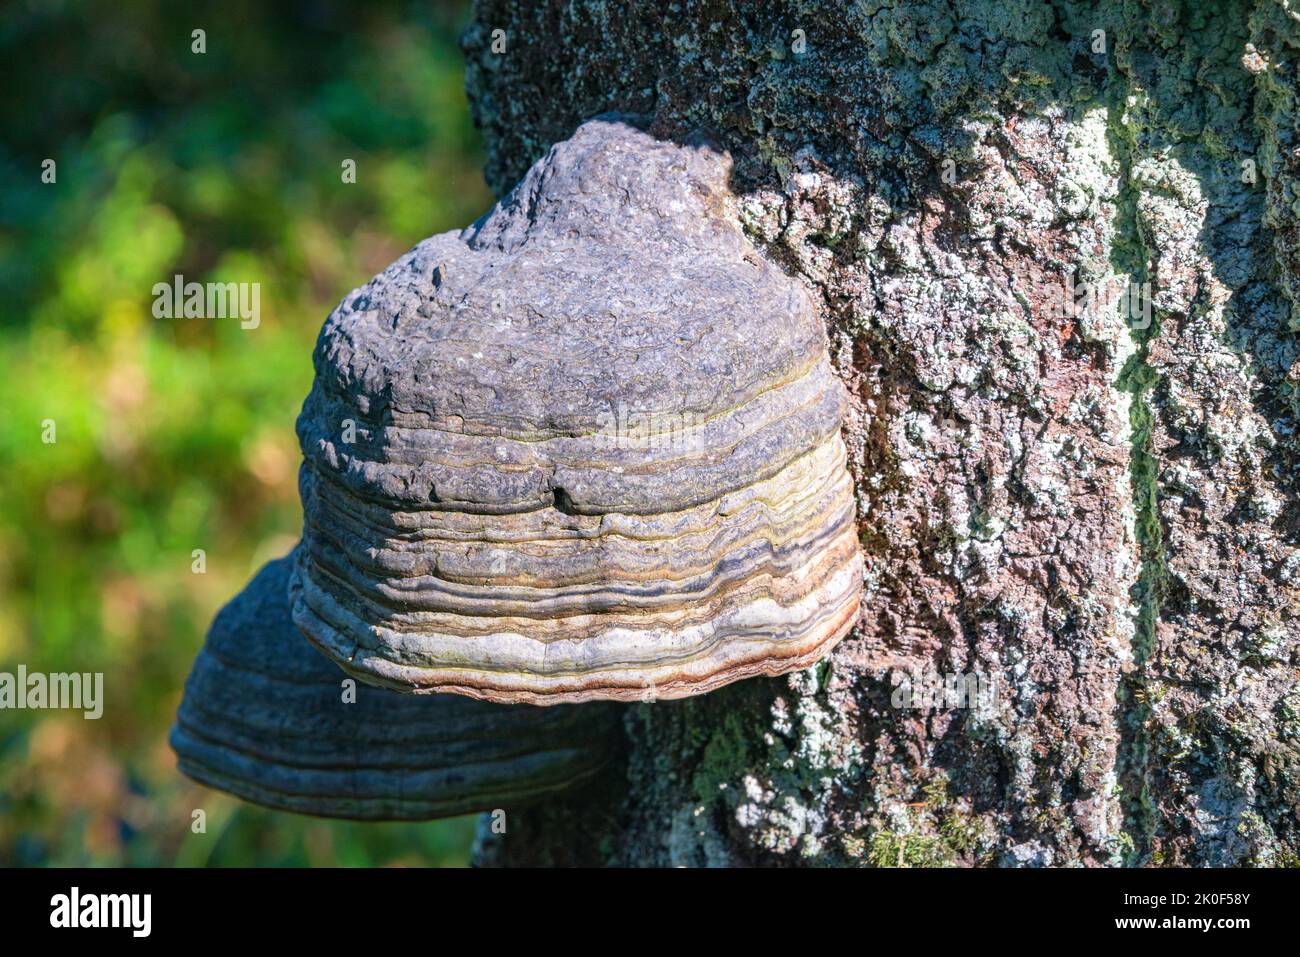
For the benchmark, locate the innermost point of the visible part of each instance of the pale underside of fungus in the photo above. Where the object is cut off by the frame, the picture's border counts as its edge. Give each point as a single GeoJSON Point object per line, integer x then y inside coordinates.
{"type": "Point", "coordinates": [267, 718]}
{"type": "Point", "coordinates": [587, 448]}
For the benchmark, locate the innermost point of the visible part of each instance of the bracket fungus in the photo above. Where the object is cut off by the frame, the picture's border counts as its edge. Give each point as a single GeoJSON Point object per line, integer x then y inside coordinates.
{"type": "Point", "coordinates": [264, 717]}
{"type": "Point", "coordinates": [587, 448]}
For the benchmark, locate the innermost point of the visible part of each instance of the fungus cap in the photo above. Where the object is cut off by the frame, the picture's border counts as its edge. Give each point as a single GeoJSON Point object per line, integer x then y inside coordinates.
{"type": "Point", "coordinates": [586, 448]}
{"type": "Point", "coordinates": [264, 718]}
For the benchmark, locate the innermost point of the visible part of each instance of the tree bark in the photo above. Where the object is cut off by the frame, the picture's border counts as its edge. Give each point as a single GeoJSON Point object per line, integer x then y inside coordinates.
{"type": "Point", "coordinates": [1094, 513]}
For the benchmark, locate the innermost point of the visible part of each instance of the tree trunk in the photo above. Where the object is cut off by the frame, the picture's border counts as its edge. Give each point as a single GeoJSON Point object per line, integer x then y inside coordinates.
{"type": "Point", "coordinates": [1057, 250]}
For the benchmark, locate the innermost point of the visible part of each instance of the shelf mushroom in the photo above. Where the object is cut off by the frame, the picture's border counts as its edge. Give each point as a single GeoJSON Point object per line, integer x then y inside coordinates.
{"type": "Point", "coordinates": [265, 717]}
{"type": "Point", "coordinates": [587, 448]}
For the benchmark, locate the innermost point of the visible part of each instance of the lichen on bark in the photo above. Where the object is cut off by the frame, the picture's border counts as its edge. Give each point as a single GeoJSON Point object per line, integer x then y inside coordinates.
{"type": "Point", "coordinates": [1097, 512]}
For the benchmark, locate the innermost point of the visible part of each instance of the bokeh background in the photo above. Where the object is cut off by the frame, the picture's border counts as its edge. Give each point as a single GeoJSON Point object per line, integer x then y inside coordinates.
{"type": "Point", "coordinates": [178, 434]}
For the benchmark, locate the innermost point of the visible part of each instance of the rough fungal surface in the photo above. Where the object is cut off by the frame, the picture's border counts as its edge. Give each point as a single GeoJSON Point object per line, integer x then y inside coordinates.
{"type": "Point", "coordinates": [587, 448]}
{"type": "Point", "coordinates": [1097, 513]}
{"type": "Point", "coordinates": [266, 718]}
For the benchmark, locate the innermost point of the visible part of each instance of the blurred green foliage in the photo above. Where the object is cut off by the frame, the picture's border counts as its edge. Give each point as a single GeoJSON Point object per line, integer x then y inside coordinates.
{"type": "Point", "coordinates": [173, 435]}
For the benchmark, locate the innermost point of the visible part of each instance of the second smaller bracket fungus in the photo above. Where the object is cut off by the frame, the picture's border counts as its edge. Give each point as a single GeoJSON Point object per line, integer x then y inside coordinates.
{"type": "Point", "coordinates": [587, 448]}
{"type": "Point", "coordinates": [265, 717]}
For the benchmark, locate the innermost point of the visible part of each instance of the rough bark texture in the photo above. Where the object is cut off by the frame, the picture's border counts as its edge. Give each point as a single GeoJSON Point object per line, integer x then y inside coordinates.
{"type": "Point", "coordinates": [1097, 512]}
